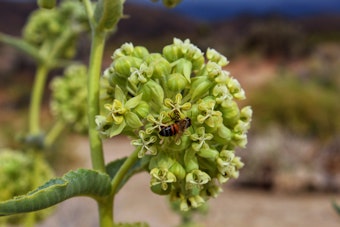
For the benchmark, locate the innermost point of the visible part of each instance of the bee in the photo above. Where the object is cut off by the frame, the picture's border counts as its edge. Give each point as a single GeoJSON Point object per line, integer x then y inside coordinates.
{"type": "Point", "coordinates": [175, 129]}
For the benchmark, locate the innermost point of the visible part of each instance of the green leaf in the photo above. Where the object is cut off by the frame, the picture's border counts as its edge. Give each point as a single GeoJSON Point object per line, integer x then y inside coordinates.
{"type": "Point", "coordinates": [21, 45]}
{"type": "Point", "coordinates": [107, 13]}
{"type": "Point", "coordinates": [113, 167]}
{"type": "Point", "coordinates": [81, 182]}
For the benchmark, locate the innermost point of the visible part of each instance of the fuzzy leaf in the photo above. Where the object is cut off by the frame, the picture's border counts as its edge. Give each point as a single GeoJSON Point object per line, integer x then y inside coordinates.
{"type": "Point", "coordinates": [81, 182]}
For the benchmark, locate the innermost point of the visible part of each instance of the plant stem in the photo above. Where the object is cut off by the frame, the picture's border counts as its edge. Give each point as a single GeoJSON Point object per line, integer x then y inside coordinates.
{"type": "Point", "coordinates": [105, 207]}
{"type": "Point", "coordinates": [36, 98]}
{"type": "Point", "coordinates": [97, 49]}
{"type": "Point", "coordinates": [54, 133]}
{"type": "Point", "coordinates": [89, 12]}
{"type": "Point", "coordinates": [122, 171]}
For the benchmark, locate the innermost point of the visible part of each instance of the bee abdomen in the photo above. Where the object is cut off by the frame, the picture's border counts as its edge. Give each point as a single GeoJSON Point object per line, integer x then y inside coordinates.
{"type": "Point", "coordinates": [170, 130]}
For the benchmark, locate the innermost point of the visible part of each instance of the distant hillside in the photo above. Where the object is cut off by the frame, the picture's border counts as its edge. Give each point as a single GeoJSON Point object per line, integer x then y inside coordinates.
{"type": "Point", "coordinates": [154, 27]}
{"type": "Point", "coordinates": [13, 16]}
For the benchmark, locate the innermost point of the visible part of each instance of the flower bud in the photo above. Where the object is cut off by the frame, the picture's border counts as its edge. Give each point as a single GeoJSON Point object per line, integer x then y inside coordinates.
{"type": "Point", "coordinates": [124, 64]}
{"type": "Point", "coordinates": [140, 52]}
{"type": "Point", "coordinates": [125, 50]}
{"type": "Point", "coordinates": [142, 109]}
{"type": "Point", "coordinates": [172, 53]}
{"type": "Point", "coordinates": [199, 87]}
{"type": "Point", "coordinates": [240, 140]}
{"type": "Point", "coordinates": [221, 92]}
{"type": "Point", "coordinates": [183, 67]}
{"type": "Point", "coordinates": [230, 112]}
{"type": "Point", "coordinates": [211, 191]}
{"type": "Point", "coordinates": [223, 134]}
{"type": "Point", "coordinates": [222, 178]}
{"type": "Point", "coordinates": [215, 56]}
{"type": "Point", "coordinates": [235, 89]}
{"type": "Point", "coordinates": [208, 153]}
{"type": "Point", "coordinates": [178, 170]}
{"type": "Point", "coordinates": [213, 70]}
{"type": "Point", "coordinates": [161, 67]}
{"type": "Point", "coordinates": [196, 201]}
{"type": "Point", "coordinates": [153, 93]}
{"type": "Point", "coordinates": [162, 161]}
{"type": "Point", "coordinates": [176, 82]}
{"type": "Point", "coordinates": [190, 160]}
{"type": "Point", "coordinates": [132, 120]}
{"type": "Point", "coordinates": [222, 77]}
{"type": "Point", "coordinates": [246, 114]}
{"type": "Point", "coordinates": [237, 163]}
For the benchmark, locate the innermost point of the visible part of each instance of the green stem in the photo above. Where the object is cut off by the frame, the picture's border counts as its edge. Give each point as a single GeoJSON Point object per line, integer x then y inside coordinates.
{"type": "Point", "coordinates": [97, 49]}
{"type": "Point", "coordinates": [122, 172]}
{"type": "Point", "coordinates": [105, 207]}
{"type": "Point", "coordinates": [36, 98]}
{"type": "Point", "coordinates": [54, 133]}
{"type": "Point", "coordinates": [89, 12]}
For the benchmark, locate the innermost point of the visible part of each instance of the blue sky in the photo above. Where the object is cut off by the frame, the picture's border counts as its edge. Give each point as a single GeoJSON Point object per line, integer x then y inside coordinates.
{"type": "Point", "coordinates": [219, 9]}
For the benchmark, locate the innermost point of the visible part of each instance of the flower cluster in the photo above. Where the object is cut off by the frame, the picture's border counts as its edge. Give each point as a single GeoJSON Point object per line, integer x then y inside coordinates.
{"type": "Point", "coordinates": [21, 172]}
{"type": "Point", "coordinates": [180, 109]}
{"type": "Point", "coordinates": [46, 27]}
{"type": "Point", "coordinates": [69, 97]}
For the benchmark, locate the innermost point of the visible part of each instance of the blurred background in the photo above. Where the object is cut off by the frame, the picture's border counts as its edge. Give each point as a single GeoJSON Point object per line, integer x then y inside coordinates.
{"type": "Point", "coordinates": [285, 53]}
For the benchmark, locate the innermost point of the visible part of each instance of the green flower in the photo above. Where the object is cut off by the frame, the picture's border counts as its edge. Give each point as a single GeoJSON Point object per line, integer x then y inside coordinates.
{"type": "Point", "coordinates": [200, 139]}
{"type": "Point", "coordinates": [162, 177]}
{"type": "Point", "coordinates": [47, 27]}
{"type": "Point", "coordinates": [145, 144]}
{"type": "Point", "coordinates": [120, 114]}
{"type": "Point", "coordinates": [196, 179]}
{"type": "Point", "coordinates": [69, 97]}
{"type": "Point", "coordinates": [188, 97]}
{"type": "Point", "coordinates": [20, 173]}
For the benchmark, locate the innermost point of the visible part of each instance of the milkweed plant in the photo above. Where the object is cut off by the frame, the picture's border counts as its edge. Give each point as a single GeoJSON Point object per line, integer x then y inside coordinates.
{"type": "Point", "coordinates": [179, 108]}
